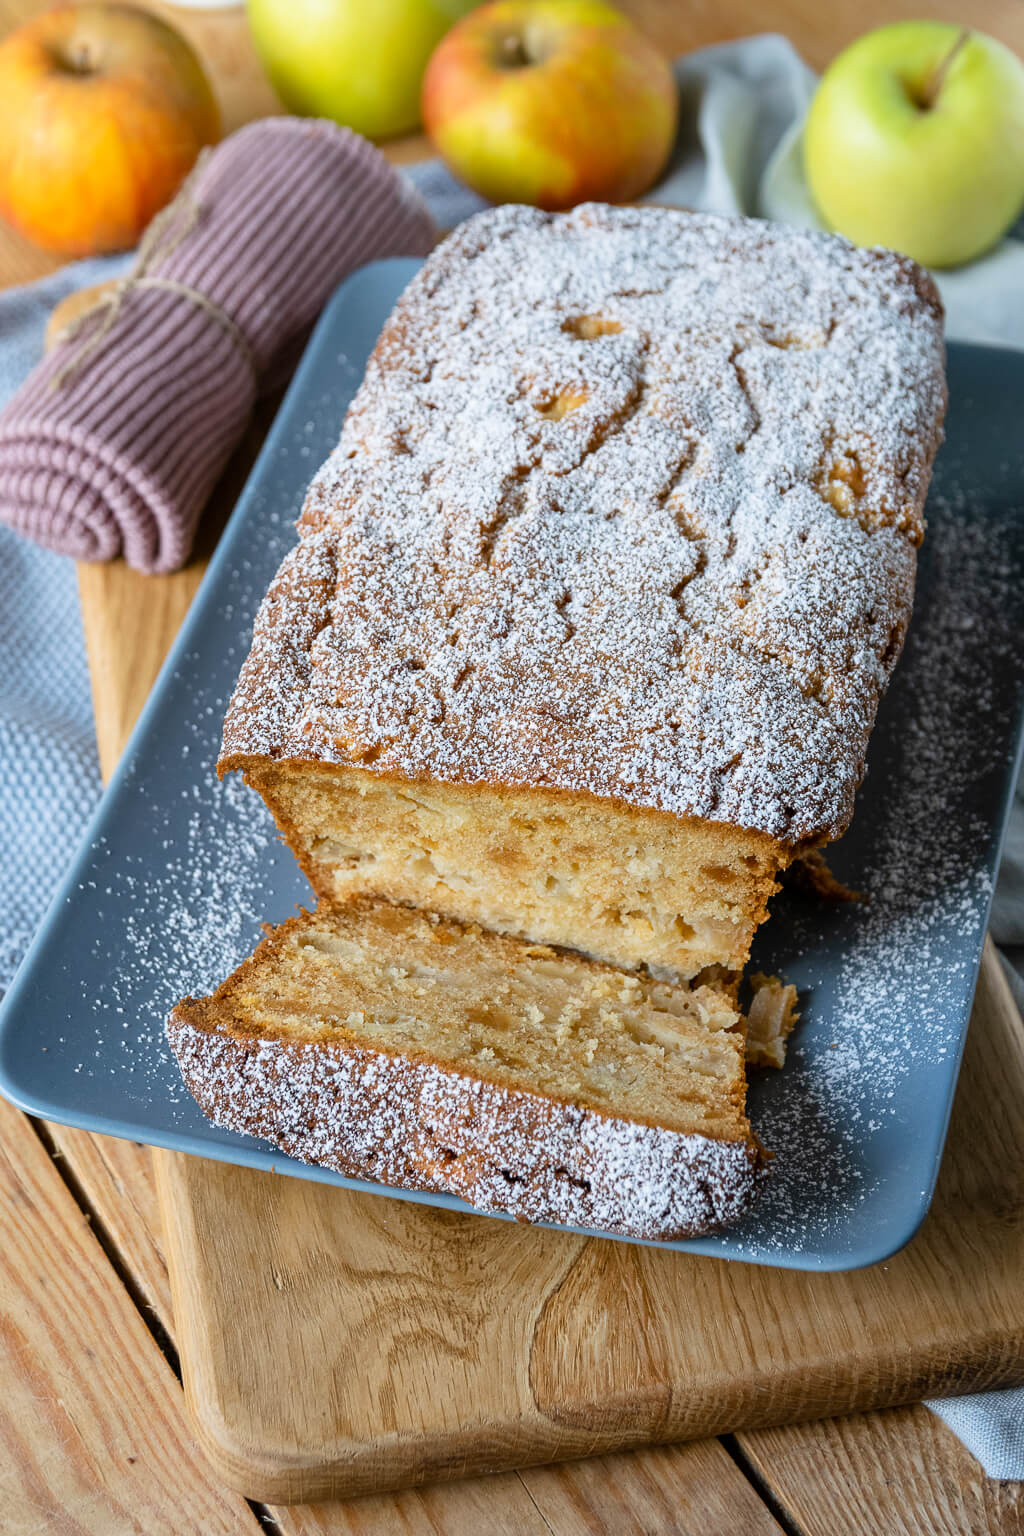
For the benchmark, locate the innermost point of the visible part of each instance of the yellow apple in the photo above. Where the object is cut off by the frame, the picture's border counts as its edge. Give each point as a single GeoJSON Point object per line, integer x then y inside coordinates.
{"type": "Point", "coordinates": [551, 102]}
{"type": "Point", "coordinates": [359, 62]}
{"type": "Point", "coordinates": [915, 140]}
{"type": "Point", "coordinates": [103, 110]}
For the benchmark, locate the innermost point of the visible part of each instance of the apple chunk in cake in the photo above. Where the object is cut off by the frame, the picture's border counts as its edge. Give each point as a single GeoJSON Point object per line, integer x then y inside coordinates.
{"type": "Point", "coordinates": [594, 603]}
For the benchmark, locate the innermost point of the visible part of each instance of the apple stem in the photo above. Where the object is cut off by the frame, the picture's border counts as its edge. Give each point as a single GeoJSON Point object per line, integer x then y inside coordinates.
{"type": "Point", "coordinates": [77, 59]}
{"type": "Point", "coordinates": [513, 52]}
{"type": "Point", "coordinates": [937, 79]}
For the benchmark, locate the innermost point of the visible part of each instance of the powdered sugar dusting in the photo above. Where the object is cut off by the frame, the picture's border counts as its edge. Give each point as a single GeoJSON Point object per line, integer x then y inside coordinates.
{"type": "Point", "coordinates": [885, 980]}
{"type": "Point", "coordinates": [628, 502]}
{"type": "Point", "coordinates": [187, 911]}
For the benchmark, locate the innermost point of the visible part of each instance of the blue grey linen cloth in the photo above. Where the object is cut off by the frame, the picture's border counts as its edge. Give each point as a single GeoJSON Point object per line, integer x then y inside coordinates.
{"type": "Point", "coordinates": [738, 152]}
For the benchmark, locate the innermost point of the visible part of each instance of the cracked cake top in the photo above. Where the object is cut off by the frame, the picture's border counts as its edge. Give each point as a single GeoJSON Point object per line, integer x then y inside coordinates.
{"type": "Point", "coordinates": [628, 504]}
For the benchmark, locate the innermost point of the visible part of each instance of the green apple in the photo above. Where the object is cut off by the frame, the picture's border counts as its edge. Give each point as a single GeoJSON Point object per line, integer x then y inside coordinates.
{"type": "Point", "coordinates": [360, 62]}
{"type": "Point", "coordinates": [915, 140]}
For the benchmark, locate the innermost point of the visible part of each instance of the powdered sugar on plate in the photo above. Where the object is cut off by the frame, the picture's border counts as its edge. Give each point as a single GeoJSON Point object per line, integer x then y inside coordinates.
{"type": "Point", "coordinates": [885, 979]}
{"type": "Point", "coordinates": [185, 920]}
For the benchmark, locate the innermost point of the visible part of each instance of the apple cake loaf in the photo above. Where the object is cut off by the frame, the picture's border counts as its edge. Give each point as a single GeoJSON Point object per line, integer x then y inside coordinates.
{"type": "Point", "coordinates": [592, 607]}
{"type": "Point", "coordinates": [395, 1045]}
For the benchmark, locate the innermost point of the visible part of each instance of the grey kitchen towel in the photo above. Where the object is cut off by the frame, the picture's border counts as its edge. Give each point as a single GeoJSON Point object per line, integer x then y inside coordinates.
{"type": "Point", "coordinates": [49, 775]}
{"type": "Point", "coordinates": [738, 152]}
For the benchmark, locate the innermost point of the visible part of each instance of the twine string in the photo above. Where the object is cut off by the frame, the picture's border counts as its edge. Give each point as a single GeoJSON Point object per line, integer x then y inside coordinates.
{"type": "Point", "coordinates": [164, 234]}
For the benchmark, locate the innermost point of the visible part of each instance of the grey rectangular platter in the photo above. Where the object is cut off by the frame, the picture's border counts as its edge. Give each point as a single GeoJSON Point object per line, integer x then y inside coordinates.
{"type": "Point", "coordinates": [177, 872]}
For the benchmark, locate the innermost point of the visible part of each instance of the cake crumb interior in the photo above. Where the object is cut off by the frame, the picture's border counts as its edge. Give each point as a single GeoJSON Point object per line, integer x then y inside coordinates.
{"type": "Point", "coordinates": [526, 1017]}
{"type": "Point", "coordinates": [626, 886]}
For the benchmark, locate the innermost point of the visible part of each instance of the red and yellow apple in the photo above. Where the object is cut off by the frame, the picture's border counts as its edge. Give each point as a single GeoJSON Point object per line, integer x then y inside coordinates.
{"type": "Point", "coordinates": [551, 102]}
{"type": "Point", "coordinates": [103, 111]}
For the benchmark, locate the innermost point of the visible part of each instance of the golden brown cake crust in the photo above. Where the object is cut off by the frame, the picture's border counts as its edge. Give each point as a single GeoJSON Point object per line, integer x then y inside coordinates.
{"type": "Point", "coordinates": [627, 505]}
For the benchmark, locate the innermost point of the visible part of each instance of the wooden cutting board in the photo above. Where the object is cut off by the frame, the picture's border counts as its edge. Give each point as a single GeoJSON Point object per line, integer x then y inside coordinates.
{"type": "Point", "coordinates": [334, 1344]}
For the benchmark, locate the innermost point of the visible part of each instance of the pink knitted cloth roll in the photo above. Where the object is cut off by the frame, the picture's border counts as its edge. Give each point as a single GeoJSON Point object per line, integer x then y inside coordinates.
{"type": "Point", "coordinates": [113, 444]}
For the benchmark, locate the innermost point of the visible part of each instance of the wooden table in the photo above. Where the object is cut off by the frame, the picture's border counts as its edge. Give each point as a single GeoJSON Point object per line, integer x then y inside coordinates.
{"type": "Point", "coordinates": [93, 1436]}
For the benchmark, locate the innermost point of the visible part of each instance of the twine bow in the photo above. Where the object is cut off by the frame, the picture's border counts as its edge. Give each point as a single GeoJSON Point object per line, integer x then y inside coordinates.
{"type": "Point", "coordinates": [164, 234]}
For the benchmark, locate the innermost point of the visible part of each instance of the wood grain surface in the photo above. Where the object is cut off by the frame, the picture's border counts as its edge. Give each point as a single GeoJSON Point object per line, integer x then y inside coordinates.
{"type": "Point", "coordinates": [692, 1489]}
{"type": "Point", "coordinates": [883, 1474]}
{"type": "Point", "coordinates": [92, 1438]}
{"type": "Point", "coordinates": [94, 1210]}
{"type": "Point", "coordinates": [420, 1344]}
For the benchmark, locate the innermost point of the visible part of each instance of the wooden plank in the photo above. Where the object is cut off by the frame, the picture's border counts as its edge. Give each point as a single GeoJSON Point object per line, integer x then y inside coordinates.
{"type": "Point", "coordinates": [901, 1473]}
{"type": "Point", "coordinates": [382, 1291]}
{"type": "Point", "coordinates": [115, 1180]}
{"type": "Point", "coordinates": [826, 1474]}
{"type": "Point", "coordinates": [485, 1506]}
{"type": "Point", "coordinates": [92, 1438]}
{"type": "Point", "coordinates": [817, 31]}
{"type": "Point", "coordinates": [661, 1492]}
{"type": "Point", "coordinates": [127, 619]}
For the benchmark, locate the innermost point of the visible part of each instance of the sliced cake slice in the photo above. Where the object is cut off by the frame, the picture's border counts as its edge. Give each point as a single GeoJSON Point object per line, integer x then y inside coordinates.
{"type": "Point", "coordinates": [420, 1052]}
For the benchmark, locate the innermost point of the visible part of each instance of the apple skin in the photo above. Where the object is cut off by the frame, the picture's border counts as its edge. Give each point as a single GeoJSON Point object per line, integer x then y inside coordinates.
{"type": "Point", "coordinates": [103, 111]}
{"type": "Point", "coordinates": [582, 108]}
{"type": "Point", "coordinates": [359, 62]}
{"type": "Point", "coordinates": [941, 184]}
